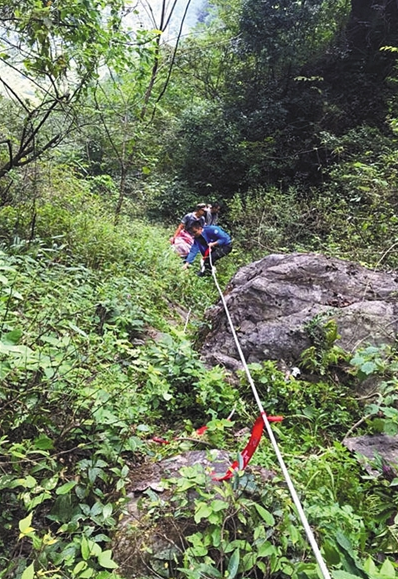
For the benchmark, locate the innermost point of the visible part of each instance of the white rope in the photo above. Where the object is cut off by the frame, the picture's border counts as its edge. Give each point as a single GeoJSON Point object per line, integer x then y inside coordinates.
{"type": "Point", "coordinates": [296, 500]}
{"type": "Point", "coordinates": [186, 321]}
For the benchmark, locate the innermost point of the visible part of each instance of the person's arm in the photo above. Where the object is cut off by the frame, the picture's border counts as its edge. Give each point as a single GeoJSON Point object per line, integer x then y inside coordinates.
{"type": "Point", "coordinates": [177, 231]}
{"type": "Point", "coordinates": [192, 254]}
{"type": "Point", "coordinates": [221, 237]}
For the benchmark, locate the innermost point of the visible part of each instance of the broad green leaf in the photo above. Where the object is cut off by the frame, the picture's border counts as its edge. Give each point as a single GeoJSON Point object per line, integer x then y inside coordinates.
{"type": "Point", "coordinates": [125, 471]}
{"type": "Point", "coordinates": [202, 513]}
{"type": "Point", "coordinates": [331, 554]}
{"type": "Point", "coordinates": [233, 564]}
{"type": "Point", "coordinates": [65, 488]}
{"type": "Point", "coordinates": [390, 428]}
{"type": "Point", "coordinates": [53, 340]}
{"type": "Point", "coordinates": [25, 525]}
{"type": "Point", "coordinates": [7, 481]}
{"type": "Point", "coordinates": [29, 482]}
{"type": "Point", "coordinates": [50, 483]}
{"type": "Point", "coordinates": [29, 572]}
{"type": "Point", "coordinates": [216, 537]}
{"type": "Point", "coordinates": [369, 566]}
{"type": "Point", "coordinates": [80, 567]}
{"type": "Point", "coordinates": [38, 500]}
{"type": "Point", "coordinates": [85, 548]}
{"type": "Point", "coordinates": [368, 368]}
{"type": "Point", "coordinates": [294, 534]}
{"type": "Point", "coordinates": [248, 562]}
{"type": "Point", "coordinates": [210, 570]}
{"type": "Point", "coordinates": [43, 442]}
{"type": "Point", "coordinates": [96, 509]}
{"type": "Point", "coordinates": [265, 515]}
{"type": "Point", "coordinates": [387, 570]}
{"type": "Point", "coordinates": [199, 551]}
{"type": "Point", "coordinates": [372, 408]}
{"type": "Point", "coordinates": [266, 549]}
{"type": "Point", "coordinates": [12, 338]}
{"type": "Point", "coordinates": [12, 349]}
{"type": "Point", "coordinates": [107, 511]}
{"type": "Point", "coordinates": [105, 560]}
{"type": "Point", "coordinates": [218, 505]}
{"type": "Point", "coordinates": [343, 541]}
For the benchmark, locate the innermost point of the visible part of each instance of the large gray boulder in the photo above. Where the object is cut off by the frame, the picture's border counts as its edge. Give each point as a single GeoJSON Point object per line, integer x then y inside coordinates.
{"type": "Point", "coordinates": [273, 300]}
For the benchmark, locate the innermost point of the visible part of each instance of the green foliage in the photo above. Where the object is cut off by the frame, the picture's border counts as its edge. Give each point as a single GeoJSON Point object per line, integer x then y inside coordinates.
{"type": "Point", "coordinates": [59, 52]}
{"type": "Point", "coordinates": [316, 411]}
{"type": "Point", "coordinates": [272, 33]}
{"type": "Point", "coordinates": [93, 359]}
{"type": "Point", "coordinates": [97, 321]}
{"type": "Point", "coordinates": [176, 380]}
{"type": "Point", "coordinates": [246, 528]}
{"type": "Point", "coordinates": [357, 202]}
{"type": "Point", "coordinates": [79, 374]}
{"type": "Point", "coordinates": [374, 360]}
{"type": "Point", "coordinates": [174, 200]}
{"type": "Point", "coordinates": [204, 132]}
{"type": "Point", "coordinates": [66, 452]}
{"type": "Point", "coordinates": [377, 366]}
{"type": "Point", "coordinates": [52, 37]}
{"type": "Point", "coordinates": [267, 221]}
{"type": "Point", "coordinates": [324, 355]}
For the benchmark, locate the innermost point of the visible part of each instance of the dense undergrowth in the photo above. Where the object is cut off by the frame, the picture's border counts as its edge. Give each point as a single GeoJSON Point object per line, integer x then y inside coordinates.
{"type": "Point", "coordinates": [96, 351]}
{"type": "Point", "coordinates": [286, 112]}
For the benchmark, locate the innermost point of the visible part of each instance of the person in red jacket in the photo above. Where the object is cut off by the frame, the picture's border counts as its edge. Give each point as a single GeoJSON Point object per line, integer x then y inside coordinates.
{"type": "Point", "coordinates": [182, 239]}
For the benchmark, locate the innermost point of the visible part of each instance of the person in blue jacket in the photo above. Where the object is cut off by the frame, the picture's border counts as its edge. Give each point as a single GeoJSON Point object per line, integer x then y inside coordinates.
{"type": "Point", "coordinates": [209, 239]}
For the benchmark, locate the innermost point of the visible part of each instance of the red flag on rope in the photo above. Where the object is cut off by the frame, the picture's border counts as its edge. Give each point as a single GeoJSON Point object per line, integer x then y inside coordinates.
{"type": "Point", "coordinates": [246, 453]}
{"type": "Point", "coordinates": [159, 440]}
{"type": "Point", "coordinates": [250, 447]}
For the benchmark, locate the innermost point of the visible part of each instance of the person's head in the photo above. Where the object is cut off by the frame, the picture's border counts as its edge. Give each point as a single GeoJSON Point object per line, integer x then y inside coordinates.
{"type": "Point", "coordinates": [200, 209]}
{"type": "Point", "coordinates": [215, 207]}
{"type": "Point", "coordinates": [196, 229]}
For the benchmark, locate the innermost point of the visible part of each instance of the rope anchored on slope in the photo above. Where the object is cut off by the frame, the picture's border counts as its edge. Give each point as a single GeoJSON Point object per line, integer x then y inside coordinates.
{"type": "Point", "coordinates": [246, 453]}
{"type": "Point", "coordinates": [266, 421]}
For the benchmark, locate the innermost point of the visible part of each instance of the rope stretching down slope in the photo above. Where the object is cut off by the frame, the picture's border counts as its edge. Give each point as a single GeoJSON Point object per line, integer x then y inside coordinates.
{"type": "Point", "coordinates": [296, 500]}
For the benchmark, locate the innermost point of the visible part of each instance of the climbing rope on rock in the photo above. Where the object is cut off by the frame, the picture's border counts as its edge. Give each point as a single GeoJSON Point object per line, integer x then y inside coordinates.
{"type": "Point", "coordinates": [265, 418]}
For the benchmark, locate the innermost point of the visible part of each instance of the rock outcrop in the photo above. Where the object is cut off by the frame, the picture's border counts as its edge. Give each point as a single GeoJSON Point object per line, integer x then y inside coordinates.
{"type": "Point", "coordinates": [273, 301]}
{"type": "Point", "coordinates": [151, 537]}
{"type": "Point", "coordinates": [379, 450]}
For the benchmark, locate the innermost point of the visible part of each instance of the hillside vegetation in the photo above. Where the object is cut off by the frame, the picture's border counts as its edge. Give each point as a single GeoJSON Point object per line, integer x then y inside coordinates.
{"type": "Point", "coordinates": [287, 114]}
{"type": "Point", "coordinates": [96, 360]}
